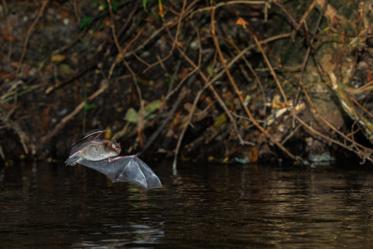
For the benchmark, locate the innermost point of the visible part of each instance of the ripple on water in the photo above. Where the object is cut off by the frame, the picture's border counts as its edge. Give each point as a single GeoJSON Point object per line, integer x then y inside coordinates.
{"type": "Point", "coordinates": [50, 206]}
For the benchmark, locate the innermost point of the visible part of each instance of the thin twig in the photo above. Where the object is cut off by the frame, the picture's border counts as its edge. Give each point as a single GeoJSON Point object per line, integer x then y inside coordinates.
{"type": "Point", "coordinates": [169, 115]}
{"type": "Point", "coordinates": [238, 92]}
{"type": "Point", "coordinates": [29, 33]}
{"type": "Point", "coordinates": [76, 111]}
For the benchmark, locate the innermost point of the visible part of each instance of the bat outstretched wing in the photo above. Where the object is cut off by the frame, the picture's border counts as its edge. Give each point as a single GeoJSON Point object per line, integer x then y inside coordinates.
{"type": "Point", "coordinates": [126, 169]}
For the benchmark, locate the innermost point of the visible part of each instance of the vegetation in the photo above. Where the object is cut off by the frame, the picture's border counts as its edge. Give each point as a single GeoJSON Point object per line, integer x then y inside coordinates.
{"type": "Point", "coordinates": [232, 81]}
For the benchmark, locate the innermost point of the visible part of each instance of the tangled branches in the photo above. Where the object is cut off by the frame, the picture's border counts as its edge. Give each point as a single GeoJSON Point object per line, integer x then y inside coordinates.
{"type": "Point", "coordinates": [231, 81]}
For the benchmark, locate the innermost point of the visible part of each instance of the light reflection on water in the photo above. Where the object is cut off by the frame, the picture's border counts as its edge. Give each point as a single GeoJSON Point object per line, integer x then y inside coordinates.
{"type": "Point", "coordinates": [205, 206]}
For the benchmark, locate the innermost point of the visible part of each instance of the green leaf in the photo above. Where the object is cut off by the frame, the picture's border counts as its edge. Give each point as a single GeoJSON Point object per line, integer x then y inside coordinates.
{"type": "Point", "coordinates": [114, 5]}
{"type": "Point", "coordinates": [65, 70]}
{"type": "Point", "coordinates": [220, 120]}
{"type": "Point", "coordinates": [152, 107]}
{"type": "Point", "coordinates": [132, 116]}
{"type": "Point", "coordinates": [144, 4]}
{"type": "Point", "coordinates": [85, 22]}
{"type": "Point", "coordinates": [88, 106]}
{"type": "Point", "coordinates": [210, 70]}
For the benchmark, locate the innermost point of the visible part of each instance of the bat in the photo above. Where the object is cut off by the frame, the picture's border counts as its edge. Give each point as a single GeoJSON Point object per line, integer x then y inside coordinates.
{"type": "Point", "coordinates": [103, 156]}
{"type": "Point", "coordinates": [125, 169]}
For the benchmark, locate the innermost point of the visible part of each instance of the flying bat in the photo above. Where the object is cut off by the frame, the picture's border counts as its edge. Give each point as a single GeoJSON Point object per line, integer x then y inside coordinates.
{"type": "Point", "coordinates": [103, 155]}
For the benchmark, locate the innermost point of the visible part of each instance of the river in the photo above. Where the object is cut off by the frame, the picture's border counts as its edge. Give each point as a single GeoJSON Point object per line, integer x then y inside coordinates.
{"type": "Point", "coordinates": [202, 206]}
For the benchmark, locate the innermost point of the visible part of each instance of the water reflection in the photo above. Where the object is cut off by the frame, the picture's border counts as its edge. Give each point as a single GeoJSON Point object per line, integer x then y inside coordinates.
{"type": "Point", "coordinates": [44, 206]}
{"type": "Point", "coordinates": [120, 236]}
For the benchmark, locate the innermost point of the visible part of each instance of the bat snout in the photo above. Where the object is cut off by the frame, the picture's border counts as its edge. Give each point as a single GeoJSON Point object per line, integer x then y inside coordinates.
{"type": "Point", "coordinates": [116, 147]}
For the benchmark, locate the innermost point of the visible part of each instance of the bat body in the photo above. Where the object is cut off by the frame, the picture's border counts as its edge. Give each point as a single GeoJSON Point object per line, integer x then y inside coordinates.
{"type": "Point", "coordinates": [125, 169]}
{"type": "Point", "coordinates": [103, 155]}
{"type": "Point", "coordinates": [93, 150]}
{"type": "Point", "coordinates": [92, 147]}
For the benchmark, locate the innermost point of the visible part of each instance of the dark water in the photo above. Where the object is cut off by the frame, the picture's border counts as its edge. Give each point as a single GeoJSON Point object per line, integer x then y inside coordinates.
{"type": "Point", "coordinates": [215, 206]}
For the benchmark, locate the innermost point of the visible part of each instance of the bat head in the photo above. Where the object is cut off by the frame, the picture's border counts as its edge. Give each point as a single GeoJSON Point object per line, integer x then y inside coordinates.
{"type": "Point", "coordinates": [113, 147]}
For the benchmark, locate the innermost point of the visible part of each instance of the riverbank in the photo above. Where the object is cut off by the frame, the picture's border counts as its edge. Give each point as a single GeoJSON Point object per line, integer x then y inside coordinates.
{"type": "Point", "coordinates": [226, 83]}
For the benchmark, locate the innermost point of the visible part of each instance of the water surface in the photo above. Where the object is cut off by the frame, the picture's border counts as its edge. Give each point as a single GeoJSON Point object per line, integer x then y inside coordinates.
{"type": "Point", "coordinates": [203, 206]}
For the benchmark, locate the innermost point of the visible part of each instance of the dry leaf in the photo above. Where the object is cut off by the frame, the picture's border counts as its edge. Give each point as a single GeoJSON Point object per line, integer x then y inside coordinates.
{"type": "Point", "coordinates": [161, 9]}
{"type": "Point", "coordinates": [56, 58]}
{"type": "Point", "coordinates": [253, 154]}
{"type": "Point", "coordinates": [241, 22]}
{"type": "Point", "coordinates": [4, 75]}
{"type": "Point", "coordinates": [278, 104]}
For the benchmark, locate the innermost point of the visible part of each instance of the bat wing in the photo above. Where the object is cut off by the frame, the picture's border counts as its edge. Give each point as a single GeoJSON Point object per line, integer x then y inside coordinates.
{"type": "Point", "coordinates": [89, 137]}
{"type": "Point", "coordinates": [93, 134]}
{"type": "Point", "coordinates": [126, 169]}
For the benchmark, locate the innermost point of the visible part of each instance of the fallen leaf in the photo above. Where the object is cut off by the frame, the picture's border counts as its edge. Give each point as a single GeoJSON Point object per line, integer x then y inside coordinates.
{"type": "Point", "coordinates": [107, 22]}
{"type": "Point", "coordinates": [65, 70]}
{"type": "Point", "coordinates": [9, 37]}
{"type": "Point", "coordinates": [220, 120]}
{"type": "Point", "coordinates": [6, 75]}
{"type": "Point", "coordinates": [278, 104]}
{"type": "Point", "coordinates": [241, 22]}
{"type": "Point", "coordinates": [253, 154]}
{"type": "Point", "coordinates": [56, 58]}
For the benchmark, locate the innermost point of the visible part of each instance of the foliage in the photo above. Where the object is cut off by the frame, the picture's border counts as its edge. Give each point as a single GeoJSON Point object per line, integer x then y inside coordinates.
{"type": "Point", "coordinates": [228, 80]}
